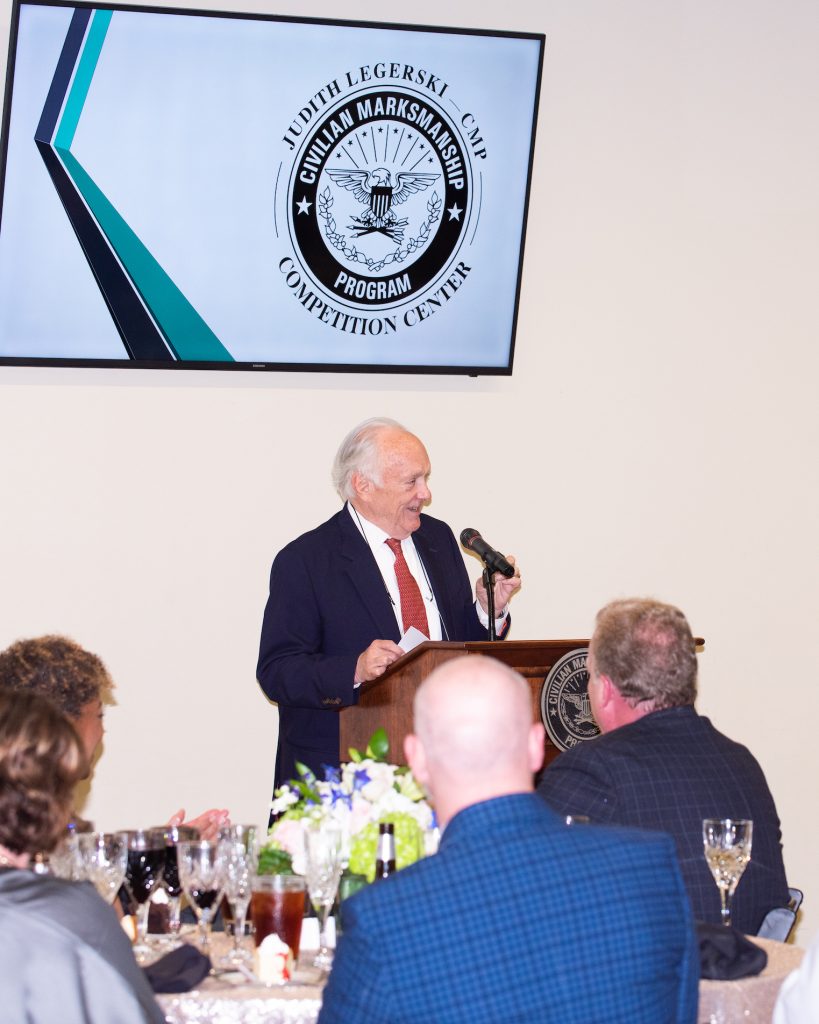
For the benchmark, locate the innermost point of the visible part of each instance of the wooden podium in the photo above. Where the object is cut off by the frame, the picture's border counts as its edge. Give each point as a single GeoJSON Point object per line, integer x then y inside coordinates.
{"type": "Point", "coordinates": [386, 702]}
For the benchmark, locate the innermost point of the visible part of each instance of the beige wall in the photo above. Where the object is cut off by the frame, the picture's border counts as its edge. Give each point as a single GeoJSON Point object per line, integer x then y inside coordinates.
{"type": "Point", "coordinates": [658, 436]}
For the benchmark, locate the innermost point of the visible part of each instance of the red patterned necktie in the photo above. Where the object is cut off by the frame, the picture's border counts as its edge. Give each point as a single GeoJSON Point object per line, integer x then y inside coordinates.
{"type": "Point", "coordinates": [413, 612]}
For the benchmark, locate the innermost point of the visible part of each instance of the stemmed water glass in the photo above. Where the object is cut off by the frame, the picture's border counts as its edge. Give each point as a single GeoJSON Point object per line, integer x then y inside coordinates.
{"type": "Point", "coordinates": [201, 867]}
{"type": "Point", "coordinates": [143, 873]}
{"type": "Point", "coordinates": [239, 871]}
{"type": "Point", "coordinates": [64, 860]}
{"type": "Point", "coordinates": [323, 864]}
{"type": "Point", "coordinates": [104, 858]}
{"type": "Point", "coordinates": [727, 843]}
{"type": "Point", "coordinates": [247, 835]}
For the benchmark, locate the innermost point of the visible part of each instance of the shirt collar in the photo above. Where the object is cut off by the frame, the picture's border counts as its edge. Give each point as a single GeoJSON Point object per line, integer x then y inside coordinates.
{"type": "Point", "coordinates": [373, 534]}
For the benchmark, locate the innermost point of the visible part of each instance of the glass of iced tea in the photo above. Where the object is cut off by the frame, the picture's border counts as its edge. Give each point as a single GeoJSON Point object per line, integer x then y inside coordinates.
{"type": "Point", "coordinates": [277, 905]}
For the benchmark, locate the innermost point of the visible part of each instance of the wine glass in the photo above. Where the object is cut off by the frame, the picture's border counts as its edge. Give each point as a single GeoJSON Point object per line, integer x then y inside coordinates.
{"type": "Point", "coordinates": [143, 873]}
{"type": "Point", "coordinates": [201, 865]}
{"type": "Point", "coordinates": [323, 863]}
{"type": "Point", "coordinates": [104, 858]}
{"type": "Point", "coordinates": [64, 860]}
{"type": "Point", "coordinates": [248, 836]}
{"type": "Point", "coordinates": [239, 871]}
{"type": "Point", "coordinates": [727, 843]}
{"type": "Point", "coordinates": [174, 834]}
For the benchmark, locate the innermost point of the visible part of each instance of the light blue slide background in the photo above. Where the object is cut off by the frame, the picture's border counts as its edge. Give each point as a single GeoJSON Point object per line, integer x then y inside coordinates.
{"type": "Point", "coordinates": [169, 84]}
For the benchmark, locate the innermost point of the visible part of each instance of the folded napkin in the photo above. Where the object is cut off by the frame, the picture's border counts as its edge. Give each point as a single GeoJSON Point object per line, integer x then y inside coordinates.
{"type": "Point", "coordinates": [178, 971]}
{"type": "Point", "coordinates": [726, 954]}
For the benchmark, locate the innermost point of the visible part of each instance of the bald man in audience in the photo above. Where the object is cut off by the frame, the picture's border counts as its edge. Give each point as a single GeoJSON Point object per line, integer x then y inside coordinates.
{"type": "Point", "coordinates": [661, 765]}
{"type": "Point", "coordinates": [518, 917]}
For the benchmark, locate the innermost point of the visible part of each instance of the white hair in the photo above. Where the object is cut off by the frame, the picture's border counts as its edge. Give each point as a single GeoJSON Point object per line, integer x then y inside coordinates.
{"type": "Point", "coordinates": [358, 453]}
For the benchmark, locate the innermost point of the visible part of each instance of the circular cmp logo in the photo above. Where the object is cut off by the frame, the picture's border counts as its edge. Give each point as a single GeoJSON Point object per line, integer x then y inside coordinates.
{"type": "Point", "coordinates": [564, 701]}
{"type": "Point", "coordinates": [379, 200]}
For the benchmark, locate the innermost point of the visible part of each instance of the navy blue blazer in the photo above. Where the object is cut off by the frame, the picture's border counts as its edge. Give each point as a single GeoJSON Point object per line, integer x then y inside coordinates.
{"type": "Point", "coordinates": [327, 604]}
{"type": "Point", "coordinates": [668, 771]}
{"type": "Point", "coordinates": [519, 918]}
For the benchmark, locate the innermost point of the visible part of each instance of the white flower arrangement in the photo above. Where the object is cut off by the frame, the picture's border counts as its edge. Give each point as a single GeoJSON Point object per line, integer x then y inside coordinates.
{"type": "Point", "coordinates": [357, 796]}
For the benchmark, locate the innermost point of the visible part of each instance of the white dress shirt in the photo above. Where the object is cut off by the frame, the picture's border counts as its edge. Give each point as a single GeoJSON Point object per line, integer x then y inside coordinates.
{"type": "Point", "coordinates": [385, 560]}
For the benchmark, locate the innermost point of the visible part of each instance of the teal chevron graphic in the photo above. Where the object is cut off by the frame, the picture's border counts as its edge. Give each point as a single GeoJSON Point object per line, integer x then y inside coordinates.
{"type": "Point", "coordinates": [184, 329]}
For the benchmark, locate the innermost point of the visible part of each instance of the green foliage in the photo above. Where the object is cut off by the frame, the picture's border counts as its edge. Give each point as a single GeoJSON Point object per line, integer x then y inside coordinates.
{"type": "Point", "coordinates": [306, 785]}
{"type": "Point", "coordinates": [378, 748]}
{"type": "Point", "coordinates": [273, 861]}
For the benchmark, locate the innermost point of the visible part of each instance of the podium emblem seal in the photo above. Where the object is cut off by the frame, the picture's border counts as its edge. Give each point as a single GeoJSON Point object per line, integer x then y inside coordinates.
{"type": "Point", "coordinates": [564, 701]}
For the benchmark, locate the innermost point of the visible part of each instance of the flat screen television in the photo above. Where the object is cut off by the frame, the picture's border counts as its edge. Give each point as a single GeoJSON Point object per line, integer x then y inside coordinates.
{"type": "Point", "coordinates": [184, 189]}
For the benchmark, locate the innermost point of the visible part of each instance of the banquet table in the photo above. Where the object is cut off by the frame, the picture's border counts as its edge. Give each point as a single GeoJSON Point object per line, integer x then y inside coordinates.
{"type": "Point", "coordinates": [230, 999]}
{"type": "Point", "coordinates": [749, 1000]}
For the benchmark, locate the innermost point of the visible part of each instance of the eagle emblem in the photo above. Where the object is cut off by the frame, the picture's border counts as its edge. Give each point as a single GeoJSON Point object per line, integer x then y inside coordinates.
{"type": "Point", "coordinates": [379, 192]}
{"type": "Point", "coordinates": [565, 708]}
{"type": "Point", "coordinates": [581, 702]}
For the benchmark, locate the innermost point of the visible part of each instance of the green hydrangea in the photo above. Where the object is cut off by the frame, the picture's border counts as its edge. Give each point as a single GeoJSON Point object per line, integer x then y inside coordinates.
{"type": "Point", "coordinates": [409, 844]}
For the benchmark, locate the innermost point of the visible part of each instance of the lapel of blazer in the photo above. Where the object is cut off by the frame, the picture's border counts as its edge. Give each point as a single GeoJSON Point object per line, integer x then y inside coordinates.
{"type": "Point", "coordinates": [361, 568]}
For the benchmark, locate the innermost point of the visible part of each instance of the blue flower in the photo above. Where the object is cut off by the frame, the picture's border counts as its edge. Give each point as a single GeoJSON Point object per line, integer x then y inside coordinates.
{"type": "Point", "coordinates": [338, 796]}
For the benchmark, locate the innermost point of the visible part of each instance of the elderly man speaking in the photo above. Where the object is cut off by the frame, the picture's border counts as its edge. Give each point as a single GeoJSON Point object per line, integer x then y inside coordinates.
{"type": "Point", "coordinates": [518, 917]}
{"type": "Point", "coordinates": [343, 595]}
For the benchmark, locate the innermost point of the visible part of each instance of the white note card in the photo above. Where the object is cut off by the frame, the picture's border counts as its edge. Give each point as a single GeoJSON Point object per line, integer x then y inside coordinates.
{"type": "Point", "coordinates": [410, 640]}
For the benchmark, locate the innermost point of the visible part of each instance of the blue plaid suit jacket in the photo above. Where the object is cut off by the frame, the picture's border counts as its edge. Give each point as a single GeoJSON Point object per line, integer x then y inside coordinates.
{"type": "Point", "coordinates": [667, 772]}
{"type": "Point", "coordinates": [521, 918]}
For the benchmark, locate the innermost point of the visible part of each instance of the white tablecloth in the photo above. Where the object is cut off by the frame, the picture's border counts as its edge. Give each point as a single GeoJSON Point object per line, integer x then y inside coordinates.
{"type": "Point", "coordinates": [228, 1000]}
{"type": "Point", "coordinates": [751, 1000]}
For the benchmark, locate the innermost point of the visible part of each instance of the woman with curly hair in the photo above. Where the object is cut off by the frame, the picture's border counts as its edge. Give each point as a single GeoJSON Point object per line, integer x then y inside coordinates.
{"type": "Point", "coordinates": [79, 685]}
{"type": "Point", "coordinates": [64, 955]}
{"type": "Point", "coordinates": [74, 680]}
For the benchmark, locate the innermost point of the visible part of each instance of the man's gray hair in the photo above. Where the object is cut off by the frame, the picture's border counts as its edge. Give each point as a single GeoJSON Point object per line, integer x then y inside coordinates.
{"type": "Point", "coordinates": [358, 453]}
{"type": "Point", "coordinates": [647, 650]}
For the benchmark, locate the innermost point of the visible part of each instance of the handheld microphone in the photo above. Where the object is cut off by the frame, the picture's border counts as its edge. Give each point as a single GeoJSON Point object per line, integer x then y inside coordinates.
{"type": "Point", "coordinates": [494, 560]}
